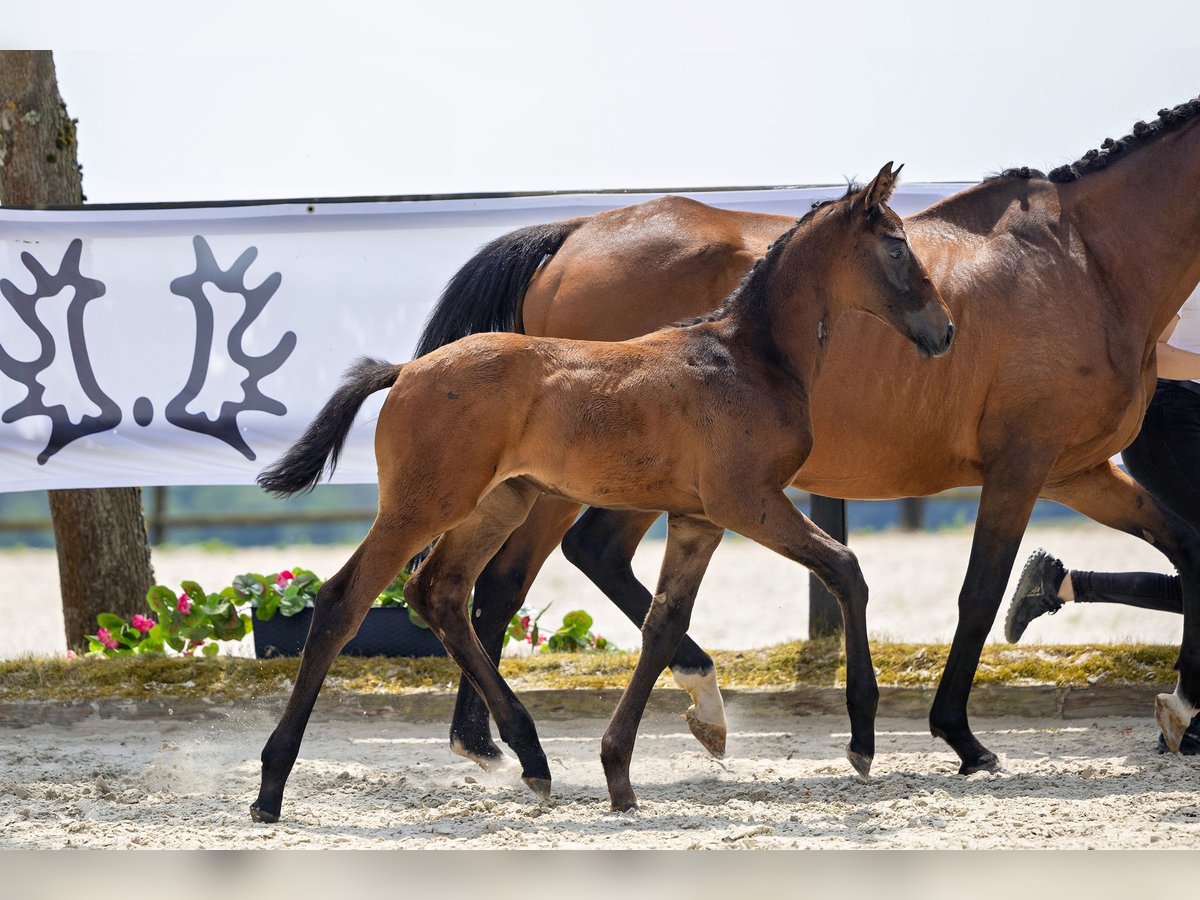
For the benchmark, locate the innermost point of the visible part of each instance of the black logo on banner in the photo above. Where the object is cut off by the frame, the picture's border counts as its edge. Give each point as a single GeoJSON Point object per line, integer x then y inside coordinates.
{"type": "Point", "coordinates": [62, 431]}
{"type": "Point", "coordinates": [224, 427]}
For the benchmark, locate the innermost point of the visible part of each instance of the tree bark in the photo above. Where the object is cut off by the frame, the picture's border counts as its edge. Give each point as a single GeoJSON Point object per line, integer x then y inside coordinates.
{"type": "Point", "coordinates": [100, 535]}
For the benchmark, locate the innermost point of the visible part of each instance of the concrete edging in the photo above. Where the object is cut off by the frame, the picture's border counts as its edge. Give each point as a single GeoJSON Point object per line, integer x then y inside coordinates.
{"type": "Point", "coordinates": [987, 701]}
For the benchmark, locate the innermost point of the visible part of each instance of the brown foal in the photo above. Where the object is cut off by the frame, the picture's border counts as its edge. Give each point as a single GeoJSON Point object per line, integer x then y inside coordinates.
{"type": "Point", "coordinates": [707, 421]}
{"type": "Point", "coordinates": [1060, 285]}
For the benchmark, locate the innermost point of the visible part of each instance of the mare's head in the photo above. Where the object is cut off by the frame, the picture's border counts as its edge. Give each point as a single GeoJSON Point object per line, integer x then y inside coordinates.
{"type": "Point", "coordinates": [879, 274]}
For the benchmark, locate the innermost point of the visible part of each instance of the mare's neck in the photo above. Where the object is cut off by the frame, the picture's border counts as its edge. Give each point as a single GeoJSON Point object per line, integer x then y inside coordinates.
{"type": "Point", "coordinates": [1140, 221]}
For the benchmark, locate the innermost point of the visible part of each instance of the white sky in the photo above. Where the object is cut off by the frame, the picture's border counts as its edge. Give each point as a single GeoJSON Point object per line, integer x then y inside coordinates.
{"type": "Point", "coordinates": [218, 100]}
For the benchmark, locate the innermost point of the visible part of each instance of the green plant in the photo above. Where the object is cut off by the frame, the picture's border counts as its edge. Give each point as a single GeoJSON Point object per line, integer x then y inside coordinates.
{"type": "Point", "coordinates": [193, 620]}
{"type": "Point", "coordinates": [573, 636]}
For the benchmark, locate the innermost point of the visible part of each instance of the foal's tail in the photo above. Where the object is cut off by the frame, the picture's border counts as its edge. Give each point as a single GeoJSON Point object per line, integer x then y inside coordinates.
{"type": "Point", "coordinates": [486, 293]}
{"type": "Point", "coordinates": [302, 466]}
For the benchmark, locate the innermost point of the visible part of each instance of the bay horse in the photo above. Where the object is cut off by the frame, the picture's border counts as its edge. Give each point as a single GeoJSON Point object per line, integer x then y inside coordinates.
{"type": "Point", "coordinates": [707, 421]}
{"type": "Point", "coordinates": [1060, 285]}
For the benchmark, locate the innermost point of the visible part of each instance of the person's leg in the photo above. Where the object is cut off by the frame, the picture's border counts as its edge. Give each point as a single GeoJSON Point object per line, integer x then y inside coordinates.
{"type": "Point", "coordinates": [1163, 459]}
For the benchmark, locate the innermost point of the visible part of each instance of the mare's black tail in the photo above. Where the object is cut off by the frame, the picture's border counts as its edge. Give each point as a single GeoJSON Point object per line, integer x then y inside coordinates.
{"type": "Point", "coordinates": [302, 466]}
{"type": "Point", "coordinates": [486, 293]}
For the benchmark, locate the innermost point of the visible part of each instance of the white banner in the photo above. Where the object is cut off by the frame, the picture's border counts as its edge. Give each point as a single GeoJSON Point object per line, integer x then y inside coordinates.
{"type": "Point", "coordinates": [193, 345]}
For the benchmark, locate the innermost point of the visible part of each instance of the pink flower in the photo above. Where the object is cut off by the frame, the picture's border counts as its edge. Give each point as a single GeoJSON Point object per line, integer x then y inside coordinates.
{"type": "Point", "coordinates": [142, 623]}
{"type": "Point", "coordinates": [71, 654]}
{"type": "Point", "coordinates": [283, 578]}
{"type": "Point", "coordinates": [185, 604]}
{"type": "Point", "coordinates": [104, 636]}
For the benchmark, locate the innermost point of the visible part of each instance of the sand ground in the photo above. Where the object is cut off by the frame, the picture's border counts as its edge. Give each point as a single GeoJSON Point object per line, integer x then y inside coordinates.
{"type": "Point", "coordinates": [785, 784]}
{"type": "Point", "coordinates": [750, 598]}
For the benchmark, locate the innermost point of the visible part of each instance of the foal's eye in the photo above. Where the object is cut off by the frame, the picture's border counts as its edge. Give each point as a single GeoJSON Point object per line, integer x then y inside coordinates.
{"type": "Point", "coordinates": [896, 252]}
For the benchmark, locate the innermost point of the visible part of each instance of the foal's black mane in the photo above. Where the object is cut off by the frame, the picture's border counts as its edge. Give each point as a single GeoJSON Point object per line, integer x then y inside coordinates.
{"type": "Point", "coordinates": [754, 281]}
{"type": "Point", "coordinates": [1143, 133]}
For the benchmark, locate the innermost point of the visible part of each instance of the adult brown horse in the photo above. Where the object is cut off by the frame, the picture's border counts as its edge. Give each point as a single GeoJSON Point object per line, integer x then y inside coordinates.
{"type": "Point", "coordinates": [707, 421]}
{"type": "Point", "coordinates": [1060, 286]}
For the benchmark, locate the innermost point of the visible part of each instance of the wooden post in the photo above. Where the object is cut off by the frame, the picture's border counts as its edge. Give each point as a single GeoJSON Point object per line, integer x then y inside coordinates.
{"type": "Point", "coordinates": [912, 514]}
{"type": "Point", "coordinates": [824, 613]}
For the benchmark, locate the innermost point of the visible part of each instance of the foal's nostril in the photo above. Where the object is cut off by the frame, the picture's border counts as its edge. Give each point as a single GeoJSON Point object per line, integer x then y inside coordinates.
{"type": "Point", "coordinates": [949, 334]}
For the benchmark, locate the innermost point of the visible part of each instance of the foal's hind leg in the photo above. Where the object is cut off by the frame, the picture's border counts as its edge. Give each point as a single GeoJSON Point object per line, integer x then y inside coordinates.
{"type": "Point", "coordinates": [438, 592]}
{"type": "Point", "coordinates": [690, 545]}
{"type": "Point", "coordinates": [1113, 499]}
{"type": "Point", "coordinates": [601, 545]}
{"type": "Point", "coordinates": [500, 591]}
{"type": "Point", "coordinates": [341, 604]}
{"type": "Point", "coordinates": [772, 520]}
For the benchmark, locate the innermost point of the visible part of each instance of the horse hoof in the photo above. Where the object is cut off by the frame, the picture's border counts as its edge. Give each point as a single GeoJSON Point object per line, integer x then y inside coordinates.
{"type": "Point", "coordinates": [710, 735]}
{"type": "Point", "coordinates": [861, 762]}
{"type": "Point", "coordinates": [258, 814]}
{"type": "Point", "coordinates": [987, 762]}
{"type": "Point", "coordinates": [1171, 719]}
{"type": "Point", "coordinates": [540, 786]}
{"type": "Point", "coordinates": [624, 803]}
{"type": "Point", "coordinates": [490, 760]}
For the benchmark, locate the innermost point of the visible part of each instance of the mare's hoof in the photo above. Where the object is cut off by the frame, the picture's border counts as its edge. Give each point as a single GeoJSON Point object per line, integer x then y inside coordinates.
{"type": "Point", "coordinates": [624, 803]}
{"type": "Point", "coordinates": [258, 814]}
{"type": "Point", "coordinates": [986, 762]}
{"type": "Point", "coordinates": [711, 735]}
{"type": "Point", "coordinates": [1172, 720]}
{"type": "Point", "coordinates": [861, 762]}
{"type": "Point", "coordinates": [540, 786]}
{"type": "Point", "coordinates": [488, 759]}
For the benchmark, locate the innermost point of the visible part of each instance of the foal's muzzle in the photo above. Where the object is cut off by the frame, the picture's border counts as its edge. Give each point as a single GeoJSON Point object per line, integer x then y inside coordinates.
{"type": "Point", "coordinates": [931, 329]}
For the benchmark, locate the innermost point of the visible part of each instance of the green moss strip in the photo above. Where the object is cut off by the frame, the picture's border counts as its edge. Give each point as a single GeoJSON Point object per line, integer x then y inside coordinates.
{"type": "Point", "coordinates": [808, 663]}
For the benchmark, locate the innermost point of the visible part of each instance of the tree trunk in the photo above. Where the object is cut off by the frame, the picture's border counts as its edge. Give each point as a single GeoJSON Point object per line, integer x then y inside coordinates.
{"type": "Point", "coordinates": [103, 556]}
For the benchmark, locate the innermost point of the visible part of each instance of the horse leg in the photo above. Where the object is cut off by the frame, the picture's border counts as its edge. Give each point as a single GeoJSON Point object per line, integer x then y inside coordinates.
{"type": "Point", "coordinates": [341, 604]}
{"type": "Point", "coordinates": [1112, 498]}
{"type": "Point", "coordinates": [601, 545]}
{"type": "Point", "coordinates": [774, 522]}
{"type": "Point", "coordinates": [1010, 488]}
{"type": "Point", "coordinates": [690, 545]}
{"type": "Point", "coordinates": [499, 594]}
{"type": "Point", "coordinates": [438, 592]}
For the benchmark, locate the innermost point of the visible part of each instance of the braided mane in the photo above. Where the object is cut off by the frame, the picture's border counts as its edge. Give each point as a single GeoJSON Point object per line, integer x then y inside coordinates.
{"type": "Point", "coordinates": [1143, 133]}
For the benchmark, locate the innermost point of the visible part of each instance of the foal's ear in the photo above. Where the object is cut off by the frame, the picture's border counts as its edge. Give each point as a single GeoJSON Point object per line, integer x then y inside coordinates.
{"type": "Point", "coordinates": [880, 189]}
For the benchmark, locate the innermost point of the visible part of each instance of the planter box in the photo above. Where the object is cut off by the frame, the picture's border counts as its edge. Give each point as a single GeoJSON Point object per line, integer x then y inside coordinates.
{"type": "Point", "coordinates": [384, 632]}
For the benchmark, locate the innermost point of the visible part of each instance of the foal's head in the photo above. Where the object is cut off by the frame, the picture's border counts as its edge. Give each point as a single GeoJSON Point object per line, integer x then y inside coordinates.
{"type": "Point", "coordinates": [878, 273]}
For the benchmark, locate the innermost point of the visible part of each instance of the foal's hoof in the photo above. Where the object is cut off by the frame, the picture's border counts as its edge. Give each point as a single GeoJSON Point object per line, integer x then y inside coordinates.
{"type": "Point", "coordinates": [540, 786]}
{"type": "Point", "coordinates": [711, 735]}
{"type": "Point", "coordinates": [1172, 720]}
{"type": "Point", "coordinates": [490, 759]}
{"type": "Point", "coordinates": [861, 762]}
{"type": "Point", "coordinates": [985, 762]}
{"type": "Point", "coordinates": [258, 814]}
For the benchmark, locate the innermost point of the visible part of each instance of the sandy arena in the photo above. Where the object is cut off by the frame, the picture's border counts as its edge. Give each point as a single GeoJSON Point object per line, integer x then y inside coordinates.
{"type": "Point", "coordinates": [379, 782]}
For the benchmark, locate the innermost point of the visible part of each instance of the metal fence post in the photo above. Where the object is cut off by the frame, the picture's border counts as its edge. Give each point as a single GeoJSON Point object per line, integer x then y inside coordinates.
{"type": "Point", "coordinates": [824, 614]}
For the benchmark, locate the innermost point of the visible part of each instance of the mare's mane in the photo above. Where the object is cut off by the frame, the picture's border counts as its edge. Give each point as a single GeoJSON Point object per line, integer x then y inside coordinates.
{"type": "Point", "coordinates": [1143, 133]}
{"type": "Point", "coordinates": [754, 282]}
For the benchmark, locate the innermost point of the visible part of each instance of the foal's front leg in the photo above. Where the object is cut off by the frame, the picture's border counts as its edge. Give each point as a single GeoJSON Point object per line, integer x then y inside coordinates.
{"type": "Point", "coordinates": [690, 545]}
{"type": "Point", "coordinates": [772, 520]}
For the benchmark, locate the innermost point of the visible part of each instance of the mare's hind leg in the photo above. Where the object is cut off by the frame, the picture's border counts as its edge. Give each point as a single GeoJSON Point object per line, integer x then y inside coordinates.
{"type": "Point", "coordinates": [438, 592]}
{"type": "Point", "coordinates": [772, 520]}
{"type": "Point", "coordinates": [690, 545]}
{"type": "Point", "coordinates": [1112, 498]}
{"type": "Point", "coordinates": [601, 545]}
{"type": "Point", "coordinates": [499, 593]}
{"type": "Point", "coordinates": [341, 604]}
